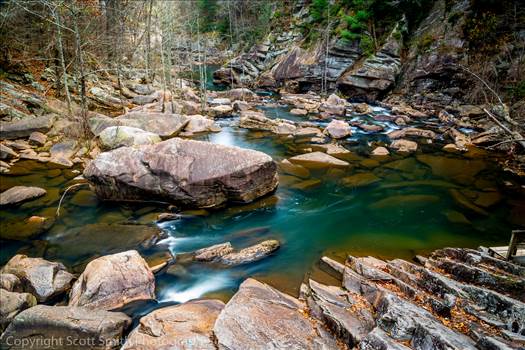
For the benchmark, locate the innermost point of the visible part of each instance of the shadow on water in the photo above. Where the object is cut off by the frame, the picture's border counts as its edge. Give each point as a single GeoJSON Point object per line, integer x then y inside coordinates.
{"type": "Point", "coordinates": [394, 207]}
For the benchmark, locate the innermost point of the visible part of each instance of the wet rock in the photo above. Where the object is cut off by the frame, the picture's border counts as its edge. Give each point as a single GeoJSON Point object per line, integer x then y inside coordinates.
{"type": "Point", "coordinates": [185, 326]}
{"type": "Point", "coordinates": [317, 160]}
{"type": "Point", "coordinates": [293, 169]}
{"type": "Point", "coordinates": [37, 138]}
{"type": "Point", "coordinates": [82, 327]}
{"type": "Point", "coordinates": [111, 281]}
{"type": "Point", "coordinates": [167, 217]}
{"type": "Point", "coordinates": [338, 129]}
{"type": "Point", "coordinates": [380, 151]}
{"type": "Point", "coordinates": [362, 108]}
{"type": "Point", "coordinates": [332, 150]}
{"type": "Point", "coordinates": [402, 133]}
{"type": "Point", "coordinates": [10, 282]}
{"type": "Point", "coordinates": [44, 279]}
{"type": "Point", "coordinates": [185, 172]}
{"type": "Point", "coordinates": [360, 179]}
{"type": "Point", "coordinates": [403, 109]}
{"type": "Point", "coordinates": [11, 304]}
{"type": "Point", "coordinates": [119, 136]}
{"type": "Point", "coordinates": [404, 146]}
{"type": "Point", "coordinates": [23, 128]}
{"type": "Point", "coordinates": [307, 184]}
{"type": "Point", "coordinates": [370, 127]}
{"type": "Point", "coordinates": [6, 152]}
{"type": "Point", "coordinates": [462, 170]}
{"type": "Point", "coordinates": [213, 253]}
{"type": "Point", "coordinates": [19, 194]}
{"type": "Point", "coordinates": [250, 254]}
{"type": "Point", "coordinates": [260, 317]}
{"type": "Point", "coordinates": [16, 229]}
{"type": "Point", "coordinates": [334, 105]}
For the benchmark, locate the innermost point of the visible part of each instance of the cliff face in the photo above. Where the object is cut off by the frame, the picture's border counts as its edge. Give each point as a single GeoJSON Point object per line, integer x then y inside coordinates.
{"type": "Point", "coordinates": [428, 65]}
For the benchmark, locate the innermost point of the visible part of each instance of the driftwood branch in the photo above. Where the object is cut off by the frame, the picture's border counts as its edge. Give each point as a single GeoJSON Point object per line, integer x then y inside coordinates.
{"type": "Point", "coordinates": [516, 136]}
{"type": "Point", "coordinates": [64, 194]}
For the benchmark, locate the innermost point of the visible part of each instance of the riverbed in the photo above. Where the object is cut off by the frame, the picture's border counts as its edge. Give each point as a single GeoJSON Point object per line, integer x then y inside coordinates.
{"type": "Point", "coordinates": [420, 202]}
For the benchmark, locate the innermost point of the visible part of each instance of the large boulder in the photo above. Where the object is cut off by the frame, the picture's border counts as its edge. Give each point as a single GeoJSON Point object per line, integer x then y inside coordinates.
{"type": "Point", "coordinates": [24, 128]}
{"type": "Point", "coordinates": [63, 327]}
{"type": "Point", "coordinates": [111, 281]}
{"type": "Point", "coordinates": [19, 194]}
{"type": "Point", "coordinates": [199, 124]}
{"type": "Point", "coordinates": [251, 254]}
{"type": "Point", "coordinates": [12, 303]}
{"type": "Point", "coordinates": [118, 136]}
{"type": "Point", "coordinates": [185, 172]}
{"type": "Point", "coordinates": [260, 317]}
{"type": "Point", "coordinates": [185, 326]}
{"type": "Point", "coordinates": [44, 279]}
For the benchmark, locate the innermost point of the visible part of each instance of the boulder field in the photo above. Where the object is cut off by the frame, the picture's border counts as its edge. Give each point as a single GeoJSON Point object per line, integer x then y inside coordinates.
{"type": "Point", "coordinates": [457, 299]}
{"type": "Point", "coordinates": [184, 172]}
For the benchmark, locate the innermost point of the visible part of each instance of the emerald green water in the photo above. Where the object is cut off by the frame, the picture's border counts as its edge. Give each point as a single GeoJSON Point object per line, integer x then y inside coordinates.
{"type": "Point", "coordinates": [410, 210]}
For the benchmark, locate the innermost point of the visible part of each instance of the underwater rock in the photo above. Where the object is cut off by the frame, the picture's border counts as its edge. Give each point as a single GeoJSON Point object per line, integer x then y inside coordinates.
{"type": "Point", "coordinates": [315, 160]}
{"type": "Point", "coordinates": [409, 199]}
{"type": "Point", "coordinates": [111, 281]}
{"type": "Point", "coordinates": [44, 279]}
{"type": "Point", "coordinates": [185, 326]}
{"type": "Point", "coordinates": [185, 172]}
{"type": "Point", "coordinates": [260, 317]}
{"type": "Point", "coordinates": [360, 179]}
{"type": "Point", "coordinates": [44, 324]}
{"type": "Point", "coordinates": [19, 194]}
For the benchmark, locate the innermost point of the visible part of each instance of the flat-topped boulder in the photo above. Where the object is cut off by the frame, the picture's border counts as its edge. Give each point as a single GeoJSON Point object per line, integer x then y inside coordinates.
{"type": "Point", "coordinates": [163, 124]}
{"type": "Point", "coordinates": [184, 172]}
{"type": "Point", "coordinates": [184, 326]}
{"type": "Point", "coordinates": [111, 281]}
{"type": "Point", "coordinates": [20, 194]}
{"type": "Point", "coordinates": [316, 160]}
{"type": "Point", "coordinates": [119, 136]}
{"type": "Point", "coordinates": [64, 327]}
{"type": "Point", "coordinates": [260, 317]}
{"type": "Point", "coordinates": [24, 127]}
{"type": "Point", "coordinates": [44, 279]}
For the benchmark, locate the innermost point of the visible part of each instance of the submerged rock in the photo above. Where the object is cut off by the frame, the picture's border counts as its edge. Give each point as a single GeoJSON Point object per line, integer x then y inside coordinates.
{"type": "Point", "coordinates": [44, 279]}
{"type": "Point", "coordinates": [20, 194]}
{"type": "Point", "coordinates": [65, 327]}
{"type": "Point", "coordinates": [260, 317]}
{"type": "Point", "coordinates": [111, 281]}
{"type": "Point", "coordinates": [185, 326]}
{"type": "Point", "coordinates": [361, 179]}
{"type": "Point", "coordinates": [317, 160]}
{"type": "Point", "coordinates": [185, 172]}
{"type": "Point", "coordinates": [119, 136]}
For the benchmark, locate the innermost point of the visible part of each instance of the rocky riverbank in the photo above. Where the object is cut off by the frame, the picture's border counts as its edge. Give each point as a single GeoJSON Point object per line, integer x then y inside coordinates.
{"type": "Point", "coordinates": [453, 299]}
